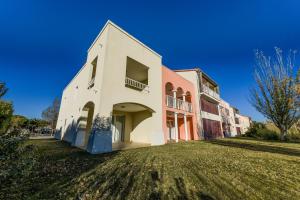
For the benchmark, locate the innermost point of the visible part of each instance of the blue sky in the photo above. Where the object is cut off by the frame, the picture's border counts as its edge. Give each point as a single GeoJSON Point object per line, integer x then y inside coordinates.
{"type": "Point", "coordinates": [44, 43]}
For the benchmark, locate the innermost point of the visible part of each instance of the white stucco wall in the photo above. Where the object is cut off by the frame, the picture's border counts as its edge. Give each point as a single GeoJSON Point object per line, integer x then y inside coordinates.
{"type": "Point", "coordinates": [112, 47]}
{"type": "Point", "coordinates": [113, 90]}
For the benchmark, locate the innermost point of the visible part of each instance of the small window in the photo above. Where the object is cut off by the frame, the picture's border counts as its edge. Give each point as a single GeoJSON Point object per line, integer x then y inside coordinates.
{"type": "Point", "coordinates": [227, 111]}
{"type": "Point", "coordinates": [93, 72]}
{"type": "Point", "coordinates": [94, 65]}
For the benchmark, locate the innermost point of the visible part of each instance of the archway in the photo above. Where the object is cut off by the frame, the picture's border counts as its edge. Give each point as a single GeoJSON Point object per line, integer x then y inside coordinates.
{"type": "Point", "coordinates": [130, 122]}
{"type": "Point", "coordinates": [169, 89]}
{"type": "Point", "coordinates": [188, 97]}
{"type": "Point", "coordinates": [84, 125]}
{"type": "Point", "coordinates": [179, 93]}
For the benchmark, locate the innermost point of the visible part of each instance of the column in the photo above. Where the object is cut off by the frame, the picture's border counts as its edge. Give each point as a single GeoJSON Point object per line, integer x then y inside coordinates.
{"type": "Point", "coordinates": [176, 126]}
{"type": "Point", "coordinates": [185, 127]}
{"type": "Point", "coordinates": [174, 99]}
{"type": "Point", "coordinates": [184, 104]}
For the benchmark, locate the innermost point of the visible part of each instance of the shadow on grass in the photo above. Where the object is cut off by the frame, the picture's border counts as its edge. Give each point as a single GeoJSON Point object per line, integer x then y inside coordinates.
{"type": "Point", "coordinates": [69, 172]}
{"type": "Point", "coordinates": [257, 147]}
{"type": "Point", "coordinates": [59, 164]}
{"type": "Point", "coordinates": [262, 140]}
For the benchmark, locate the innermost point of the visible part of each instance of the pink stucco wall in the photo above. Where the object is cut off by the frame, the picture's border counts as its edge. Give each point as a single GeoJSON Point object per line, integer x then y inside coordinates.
{"type": "Point", "coordinates": [178, 81]}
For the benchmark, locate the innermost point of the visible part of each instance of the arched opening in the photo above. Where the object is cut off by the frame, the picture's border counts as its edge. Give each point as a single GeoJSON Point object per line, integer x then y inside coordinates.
{"type": "Point", "coordinates": [129, 123]}
{"type": "Point", "coordinates": [84, 125]}
{"type": "Point", "coordinates": [169, 89]}
{"type": "Point", "coordinates": [179, 93]}
{"type": "Point", "coordinates": [188, 97]}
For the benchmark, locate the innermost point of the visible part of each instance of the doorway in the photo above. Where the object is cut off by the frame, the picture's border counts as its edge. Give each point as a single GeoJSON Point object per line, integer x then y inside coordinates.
{"type": "Point", "coordinates": [118, 128]}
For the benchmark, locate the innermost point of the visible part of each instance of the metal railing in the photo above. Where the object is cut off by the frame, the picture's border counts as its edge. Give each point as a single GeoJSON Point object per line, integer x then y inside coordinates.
{"type": "Point", "coordinates": [91, 82]}
{"type": "Point", "coordinates": [136, 84]}
{"type": "Point", "coordinates": [170, 101]}
{"type": "Point", "coordinates": [210, 92]}
{"type": "Point", "coordinates": [179, 104]}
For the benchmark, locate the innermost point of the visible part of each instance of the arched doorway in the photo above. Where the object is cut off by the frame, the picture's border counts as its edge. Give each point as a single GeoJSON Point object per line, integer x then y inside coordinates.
{"type": "Point", "coordinates": [129, 123]}
{"type": "Point", "coordinates": [84, 125]}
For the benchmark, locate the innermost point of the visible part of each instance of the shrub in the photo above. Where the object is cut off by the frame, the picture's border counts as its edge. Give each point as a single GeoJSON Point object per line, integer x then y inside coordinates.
{"type": "Point", "coordinates": [6, 111]}
{"type": "Point", "coordinates": [17, 162]}
{"type": "Point", "coordinates": [267, 134]}
{"type": "Point", "coordinates": [253, 130]}
{"type": "Point", "coordinates": [293, 136]}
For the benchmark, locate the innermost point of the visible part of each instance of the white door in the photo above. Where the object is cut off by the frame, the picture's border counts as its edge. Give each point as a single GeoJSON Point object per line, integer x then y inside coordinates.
{"type": "Point", "coordinates": [118, 128]}
{"type": "Point", "coordinates": [171, 129]}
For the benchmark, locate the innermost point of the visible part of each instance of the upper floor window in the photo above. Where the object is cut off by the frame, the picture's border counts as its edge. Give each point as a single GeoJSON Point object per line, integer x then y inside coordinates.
{"type": "Point", "coordinates": [136, 75]}
{"type": "Point", "coordinates": [209, 107]}
{"type": "Point", "coordinates": [93, 72]}
{"type": "Point", "coordinates": [227, 111]}
{"type": "Point", "coordinates": [237, 121]}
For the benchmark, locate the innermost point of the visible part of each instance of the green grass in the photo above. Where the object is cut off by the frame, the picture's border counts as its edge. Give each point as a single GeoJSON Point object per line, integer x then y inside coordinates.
{"type": "Point", "coordinates": [221, 169]}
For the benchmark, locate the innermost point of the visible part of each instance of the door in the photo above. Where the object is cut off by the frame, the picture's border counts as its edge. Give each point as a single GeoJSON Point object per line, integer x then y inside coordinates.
{"type": "Point", "coordinates": [118, 126]}
{"type": "Point", "coordinates": [171, 129]}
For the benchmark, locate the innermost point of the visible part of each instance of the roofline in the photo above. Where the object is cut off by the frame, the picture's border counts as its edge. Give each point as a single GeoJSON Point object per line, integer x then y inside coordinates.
{"type": "Point", "coordinates": [74, 77]}
{"type": "Point", "coordinates": [177, 74]}
{"type": "Point", "coordinates": [197, 69]}
{"type": "Point", "coordinates": [126, 33]}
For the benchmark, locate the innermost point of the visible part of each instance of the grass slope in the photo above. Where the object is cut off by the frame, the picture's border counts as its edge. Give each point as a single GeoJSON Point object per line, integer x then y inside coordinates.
{"type": "Point", "coordinates": [221, 169]}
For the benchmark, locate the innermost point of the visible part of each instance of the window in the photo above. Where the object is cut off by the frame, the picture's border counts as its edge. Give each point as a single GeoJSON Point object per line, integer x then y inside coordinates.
{"type": "Point", "coordinates": [136, 75]}
{"type": "Point", "coordinates": [212, 129]}
{"type": "Point", "coordinates": [94, 69]}
{"type": "Point", "coordinates": [93, 72]}
{"type": "Point", "coordinates": [237, 121]}
{"type": "Point", "coordinates": [227, 111]}
{"type": "Point", "coordinates": [238, 130]}
{"type": "Point", "coordinates": [209, 107]}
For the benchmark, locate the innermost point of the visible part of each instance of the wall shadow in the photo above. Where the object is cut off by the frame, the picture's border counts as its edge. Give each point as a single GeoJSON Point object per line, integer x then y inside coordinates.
{"type": "Point", "coordinates": [257, 147]}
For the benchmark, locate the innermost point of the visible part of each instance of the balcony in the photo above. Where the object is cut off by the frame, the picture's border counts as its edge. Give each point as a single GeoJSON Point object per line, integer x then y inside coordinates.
{"type": "Point", "coordinates": [210, 116]}
{"type": "Point", "coordinates": [179, 104]}
{"type": "Point", "coordinates": [91, 83]}
{"type": "Point", "coordinates": [210, 92]}
{"type": "Point", "coordinates": [136, 85]}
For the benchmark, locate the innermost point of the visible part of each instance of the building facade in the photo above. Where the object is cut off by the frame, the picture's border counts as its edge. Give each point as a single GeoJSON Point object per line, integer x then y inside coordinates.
{"type": "Point", "coordinates": [124, 96]}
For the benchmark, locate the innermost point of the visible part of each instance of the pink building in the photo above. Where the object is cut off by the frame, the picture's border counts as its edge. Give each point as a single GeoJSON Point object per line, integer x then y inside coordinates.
{"type": "Point", "coordinates": [179, 107]}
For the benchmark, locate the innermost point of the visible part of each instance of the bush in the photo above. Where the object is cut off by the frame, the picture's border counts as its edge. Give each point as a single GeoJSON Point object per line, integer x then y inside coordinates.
{"type": "Point", "coordinates": [253, 130]}
{"type": "Point", "coordinates": [17, 162]}
{"type": "Point", "coordinates": [259, 130]}
{"type": "Point", "coordinates": [6, 111]}
{"type": "Point", "coordinates": [267, 134]}
{"type": "Point", "coordinates": [293, 136]}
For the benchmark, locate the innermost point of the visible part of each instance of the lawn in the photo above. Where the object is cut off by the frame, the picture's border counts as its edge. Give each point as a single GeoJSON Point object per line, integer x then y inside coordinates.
{"type": "Point", "coordinates": [220, 169]}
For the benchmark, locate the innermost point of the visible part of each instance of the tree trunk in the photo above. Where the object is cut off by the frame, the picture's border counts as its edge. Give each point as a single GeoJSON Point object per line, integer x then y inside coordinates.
{"type": "Point", "coordinates": [283, 134]}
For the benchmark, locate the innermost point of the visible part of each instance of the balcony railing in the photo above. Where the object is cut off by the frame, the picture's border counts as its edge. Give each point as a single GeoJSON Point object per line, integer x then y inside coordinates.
{"type": "Point", "coordinates": [136, 84]}
{"type": "Point", "coordinates": [179, 104]}
{"type": "Point", "coordinates": [210, 92]}
{"type": "Point", "coordinates": [91, 83]}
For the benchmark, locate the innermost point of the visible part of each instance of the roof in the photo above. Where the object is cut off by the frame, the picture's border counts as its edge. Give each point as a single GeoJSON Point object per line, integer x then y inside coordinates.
{"type": "Point", "coordinates": [197, 69]}
{"type": "Point", "coordinates": [123, 31]}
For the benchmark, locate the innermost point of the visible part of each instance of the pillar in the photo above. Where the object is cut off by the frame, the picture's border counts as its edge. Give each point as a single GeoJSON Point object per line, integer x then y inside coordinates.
{"type": "Point", "coordinates": [176, 126]}
{"type": "Point", "coordinates": [185, 127]}
{"type": "Point", "coordinates": [174, 98]}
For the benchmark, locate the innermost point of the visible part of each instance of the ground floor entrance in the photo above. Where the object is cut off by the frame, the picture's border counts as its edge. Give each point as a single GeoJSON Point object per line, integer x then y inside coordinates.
{"type": "Point", "coordinates": [179, 127]}
{"type": "Point", "coordinates": [118, 128]}
{"type": "Point", "coordinates": [211, 129]}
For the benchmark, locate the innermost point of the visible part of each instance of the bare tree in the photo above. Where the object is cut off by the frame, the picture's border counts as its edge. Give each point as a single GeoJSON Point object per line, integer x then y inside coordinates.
{"type": "Point", "coordinates": [50, 114]}
{"type": "Point", "coordinates": [276, 95]}
{"type": "Point", "coordinates": [3, 89]}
